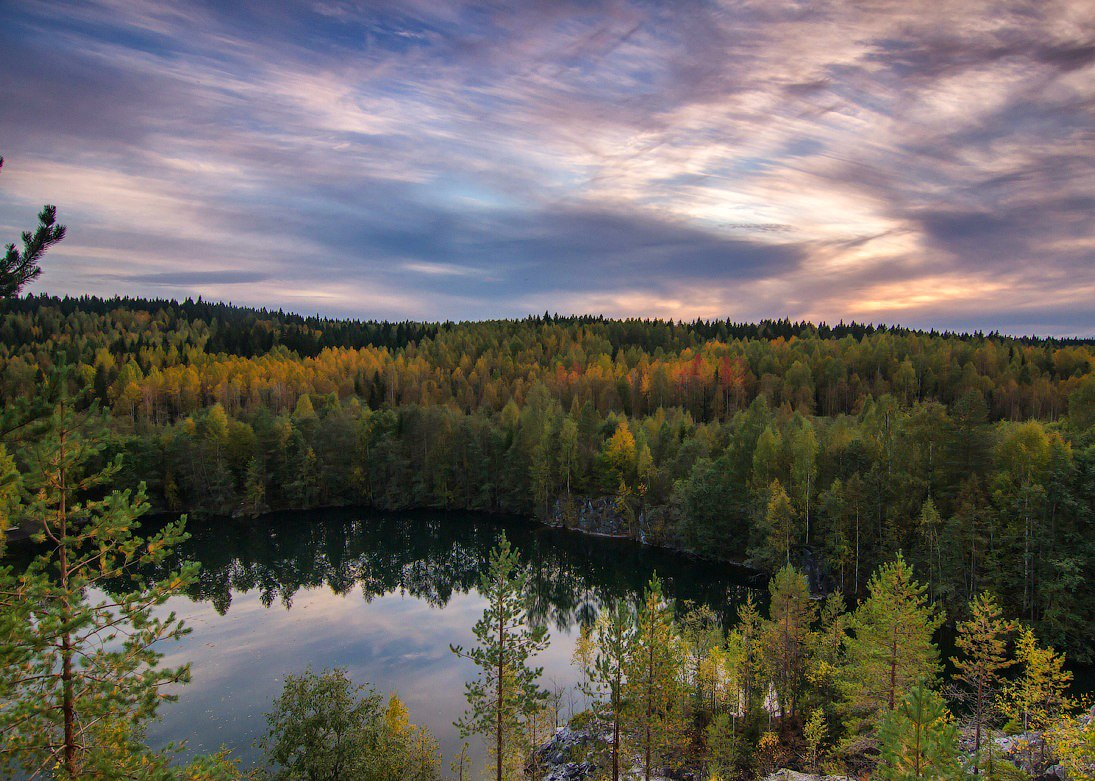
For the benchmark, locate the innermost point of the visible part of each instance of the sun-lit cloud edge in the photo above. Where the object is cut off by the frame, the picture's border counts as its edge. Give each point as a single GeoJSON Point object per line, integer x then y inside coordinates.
{"type": "Point", "coordinates": [920, 165]}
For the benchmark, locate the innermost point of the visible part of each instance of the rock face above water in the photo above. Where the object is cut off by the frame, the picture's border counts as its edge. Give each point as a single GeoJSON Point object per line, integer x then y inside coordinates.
{"type": "Point", "coordinates": [593, 516]}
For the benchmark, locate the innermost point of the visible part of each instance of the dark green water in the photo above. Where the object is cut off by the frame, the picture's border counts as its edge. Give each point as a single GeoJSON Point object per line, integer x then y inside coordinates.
{"type": "Point", "coordinates": [384, 595]}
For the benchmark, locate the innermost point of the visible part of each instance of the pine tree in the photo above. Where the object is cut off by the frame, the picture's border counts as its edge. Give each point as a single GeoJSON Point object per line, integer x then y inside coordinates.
{"type": "Point", "coordinates": [79, 654]}
{"type": "Point", "coordinates": [10, 483]}
{"type": "Point", "coordinates": [891, 646]}
{"type": "Point", "coordinates": [654, 723]}
{"type": "Point", "coordinates": [982, 646]}
{"type": "Point", "coordinates": [602, 655]}
{"type": "Point", "coordinates": [17, 268]}
{"type": "Point", "coordinates": [785, 636]}
{"type": "Point", "coordinates": [918, 740]}
{"type": "Point", "coordinates": [506, 694]}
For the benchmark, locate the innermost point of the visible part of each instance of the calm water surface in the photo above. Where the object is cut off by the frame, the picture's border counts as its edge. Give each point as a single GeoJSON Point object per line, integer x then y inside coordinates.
{"type": "Point", "coordinates": [384, 595]}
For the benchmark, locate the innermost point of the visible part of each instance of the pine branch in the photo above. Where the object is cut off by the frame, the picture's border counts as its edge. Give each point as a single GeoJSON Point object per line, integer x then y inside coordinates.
{"type": "Point", "coordinates": [17, 268]}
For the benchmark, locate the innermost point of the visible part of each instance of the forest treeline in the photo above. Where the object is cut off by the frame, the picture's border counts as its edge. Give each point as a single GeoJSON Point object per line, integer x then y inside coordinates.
{"type": "Point", "coordinates": [813, 686]}
{"type": "Point", "coordinates": [831, 448]}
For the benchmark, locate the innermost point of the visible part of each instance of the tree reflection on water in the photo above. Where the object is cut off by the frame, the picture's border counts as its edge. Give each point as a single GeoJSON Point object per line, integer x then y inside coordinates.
{"type": "Point", "coordinates": [432, 555]}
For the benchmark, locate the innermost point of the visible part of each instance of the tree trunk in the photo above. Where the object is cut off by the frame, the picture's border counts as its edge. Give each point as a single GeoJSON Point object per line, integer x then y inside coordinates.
{"type": "Point", "coordinates": [649, 698]}
{"type": "Point", "coordinates": [498, 704]}
{"type": "Point", "coordinates": [616, 727]}
{"type": "Point", "coordinates": [807, 509]}
{"type": "Point", "coordinates": [893, 671]}
{"type": "Point", "coordinates": [68, 705]}
{"type": "Point", "coordinates": [977, 729]}
{"type": "Point", "coordinates": [857, 551]}
{"type": "Point", "coordinates": [68, 693]}
{"type": "Point", "coordinates": [916, 756]}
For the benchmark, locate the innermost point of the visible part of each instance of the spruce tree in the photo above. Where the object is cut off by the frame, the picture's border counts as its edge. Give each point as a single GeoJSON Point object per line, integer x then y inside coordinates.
{"type": "Point", "coordinates": [815, 732]}
{"type": "Point", "coordinates": [254, 489]}
{"type": "Point", "coordinates": [506, 694]}
{"type": "Point", "coordinates": [724, 745]}
{"type": "Point", "coordinates": [823, 656]}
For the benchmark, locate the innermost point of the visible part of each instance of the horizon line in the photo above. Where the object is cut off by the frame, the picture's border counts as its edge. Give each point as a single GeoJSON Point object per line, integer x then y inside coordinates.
{"type": "Point", "coordinates": [871, 326]}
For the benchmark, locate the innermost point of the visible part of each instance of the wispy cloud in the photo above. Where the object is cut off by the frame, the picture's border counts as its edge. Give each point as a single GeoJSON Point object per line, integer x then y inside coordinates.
{"type": "Point", "coordinates": [925, 163]}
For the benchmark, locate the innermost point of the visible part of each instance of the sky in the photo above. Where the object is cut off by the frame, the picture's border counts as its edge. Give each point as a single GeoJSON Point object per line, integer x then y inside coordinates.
{"type": "Point", "coordinates": [924, 163]}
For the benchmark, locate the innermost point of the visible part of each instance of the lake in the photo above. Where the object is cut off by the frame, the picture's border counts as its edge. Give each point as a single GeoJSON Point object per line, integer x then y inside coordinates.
{"type": "Point", "coordinates": [384, 595]}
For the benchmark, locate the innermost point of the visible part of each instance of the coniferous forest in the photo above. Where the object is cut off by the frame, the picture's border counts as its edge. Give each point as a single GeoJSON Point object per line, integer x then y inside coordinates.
{"type": "Point", "coordinates": [902, 489]}
{"type": "Point", "coordinates": [832, 448]}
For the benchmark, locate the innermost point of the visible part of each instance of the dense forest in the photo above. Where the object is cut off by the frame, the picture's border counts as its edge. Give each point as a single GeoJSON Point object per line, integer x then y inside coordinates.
{"type": "Point", "coordinates": [829, 447]}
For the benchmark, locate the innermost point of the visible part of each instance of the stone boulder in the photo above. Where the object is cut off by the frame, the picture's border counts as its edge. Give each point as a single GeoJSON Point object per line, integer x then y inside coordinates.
{"type": "Point", "coordinates": [563, 757]}
{"type": "Point", "coordinates": [786, 774]}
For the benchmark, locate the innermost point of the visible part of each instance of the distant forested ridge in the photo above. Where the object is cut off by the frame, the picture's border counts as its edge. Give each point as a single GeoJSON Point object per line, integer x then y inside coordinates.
{"type": "Point", "coordinates": [832, 447]}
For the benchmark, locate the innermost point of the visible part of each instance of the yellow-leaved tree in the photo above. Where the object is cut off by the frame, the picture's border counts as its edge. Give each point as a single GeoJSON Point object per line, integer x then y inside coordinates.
{"type": "Point", "coordinates": [1038, 697]}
